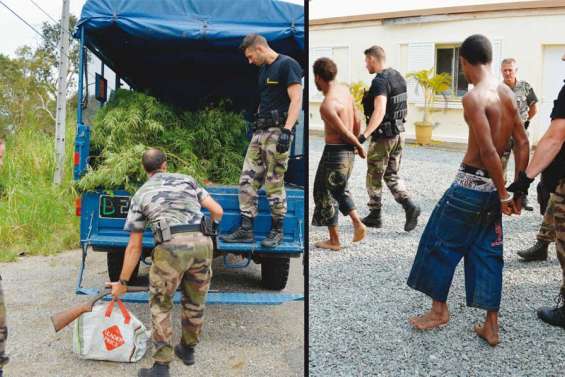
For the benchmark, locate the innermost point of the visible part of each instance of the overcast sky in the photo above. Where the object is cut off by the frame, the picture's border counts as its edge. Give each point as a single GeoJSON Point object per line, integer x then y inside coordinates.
{"type": "Point", "coordinates": [338, 8]}
{"type": "Point", "coordinates": [14, 33]}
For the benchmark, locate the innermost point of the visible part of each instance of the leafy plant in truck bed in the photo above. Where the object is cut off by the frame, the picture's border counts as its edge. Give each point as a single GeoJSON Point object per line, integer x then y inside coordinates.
{"type": "Point", "coordinates": [209, 144]}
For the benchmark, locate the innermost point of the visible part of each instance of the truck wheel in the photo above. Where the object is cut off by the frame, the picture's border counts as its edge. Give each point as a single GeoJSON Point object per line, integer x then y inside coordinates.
{"type": "Point", "coordinates": [115, 261]}
{"type": "Point", "coordinates": [274, 272]}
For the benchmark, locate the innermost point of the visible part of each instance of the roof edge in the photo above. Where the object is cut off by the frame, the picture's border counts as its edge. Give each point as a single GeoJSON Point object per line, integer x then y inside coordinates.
{"type": "Point", "coordinates": [521, 5]}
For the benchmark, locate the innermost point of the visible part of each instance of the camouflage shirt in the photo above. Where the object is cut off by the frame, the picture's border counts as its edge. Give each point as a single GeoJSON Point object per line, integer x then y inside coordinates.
{"type": "Point", "coordinates": [525, 97]}
{"type": "Point", "coordinates": [175, 198]}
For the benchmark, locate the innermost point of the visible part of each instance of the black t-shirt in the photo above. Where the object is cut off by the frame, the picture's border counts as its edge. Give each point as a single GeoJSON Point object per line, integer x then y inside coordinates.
{"type": "Point", "coordinates": [274, 80]}
{"type": "Point", "coordinates": [556, 170]}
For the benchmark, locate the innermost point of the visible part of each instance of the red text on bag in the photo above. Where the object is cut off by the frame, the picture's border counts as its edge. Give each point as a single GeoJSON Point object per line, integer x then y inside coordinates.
{"type": "Point", "coordinates": [113, 337]}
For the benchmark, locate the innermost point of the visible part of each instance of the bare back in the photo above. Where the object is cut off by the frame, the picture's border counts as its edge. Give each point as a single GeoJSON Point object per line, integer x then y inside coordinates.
{"type": "Point", "coordinates": [340, 100]}
{"type": "Point", "coordinates": [496, 102]}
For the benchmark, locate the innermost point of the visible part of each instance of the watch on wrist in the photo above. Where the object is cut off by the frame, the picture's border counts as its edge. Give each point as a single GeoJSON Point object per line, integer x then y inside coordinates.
{"type": "Point", "coordinates": [124, 282]}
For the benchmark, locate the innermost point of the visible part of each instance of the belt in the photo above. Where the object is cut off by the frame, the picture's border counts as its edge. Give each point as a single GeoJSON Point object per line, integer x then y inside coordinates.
{"type": "Point", "coordinates": [473, 170]}
{"type": "Point", "coordinates": [339, 147]}
{"type": "Point", "coordinates": [184, 228]}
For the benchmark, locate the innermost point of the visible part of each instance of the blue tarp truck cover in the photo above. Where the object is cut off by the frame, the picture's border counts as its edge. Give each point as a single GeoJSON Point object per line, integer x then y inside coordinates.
{"type": "Point", "coordinates": [193, 44]}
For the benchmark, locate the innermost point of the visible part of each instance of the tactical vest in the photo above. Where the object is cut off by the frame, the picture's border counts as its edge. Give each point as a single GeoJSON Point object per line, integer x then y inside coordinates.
{"type": "Point", "coordinates": [396, 105]}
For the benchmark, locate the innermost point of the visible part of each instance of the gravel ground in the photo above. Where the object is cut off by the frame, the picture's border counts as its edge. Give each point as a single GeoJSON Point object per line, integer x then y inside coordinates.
{"type": "Point", "coordinates": [237, 340]}
{"type": "Point", "coordinates": [360, 303]}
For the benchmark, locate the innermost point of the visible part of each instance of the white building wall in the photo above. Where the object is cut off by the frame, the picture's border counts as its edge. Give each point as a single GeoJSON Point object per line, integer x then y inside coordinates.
{"type": "Point", "coordinates": [515, 34]}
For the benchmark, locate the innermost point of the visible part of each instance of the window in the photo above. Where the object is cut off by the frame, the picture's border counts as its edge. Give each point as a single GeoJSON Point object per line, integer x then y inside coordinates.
{"type": "Point", "coordinates": [447, 60]}
{"type": "Point", "coordinates": [340, 56]}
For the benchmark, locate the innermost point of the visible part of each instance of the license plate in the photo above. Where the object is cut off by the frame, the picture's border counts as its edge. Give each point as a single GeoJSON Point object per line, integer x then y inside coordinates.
{"type": "Point", "coordinates": [114, 207]}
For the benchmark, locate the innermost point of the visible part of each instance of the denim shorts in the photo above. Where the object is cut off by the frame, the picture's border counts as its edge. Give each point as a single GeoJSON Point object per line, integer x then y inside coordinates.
{"type": "Point", "coordinates": [464, 224]}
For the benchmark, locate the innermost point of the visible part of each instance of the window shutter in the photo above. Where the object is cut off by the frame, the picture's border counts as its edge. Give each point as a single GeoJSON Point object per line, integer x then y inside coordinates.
{"type": "Point", "coordinates": [420, 56]}
{"type": "Point", "coordinates": [496, 58]}
{"type": "Point", "coordinates": [315, 54]}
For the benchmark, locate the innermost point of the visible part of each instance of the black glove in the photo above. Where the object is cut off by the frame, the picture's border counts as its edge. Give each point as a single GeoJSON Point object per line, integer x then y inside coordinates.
{"type": "Point", "coordinates": [526, 124]}
{"type": "Point", "coordinates": [521, 184]}
{"type": "Point", "coordinates": [283, 143]}
{"type": "Point", "coordinates": [361, 138]}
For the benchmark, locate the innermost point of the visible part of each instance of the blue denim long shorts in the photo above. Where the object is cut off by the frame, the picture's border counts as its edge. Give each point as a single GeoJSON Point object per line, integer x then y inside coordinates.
{"type": "Point", "coordinates": [464, 224]}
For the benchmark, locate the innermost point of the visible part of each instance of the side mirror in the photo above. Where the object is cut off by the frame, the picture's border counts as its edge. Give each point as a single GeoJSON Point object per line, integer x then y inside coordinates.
{"type": "Point", "coordinates": [101, 91]}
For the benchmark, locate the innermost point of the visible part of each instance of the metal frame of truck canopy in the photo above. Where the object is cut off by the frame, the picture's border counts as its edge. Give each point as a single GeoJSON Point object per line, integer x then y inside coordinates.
{"type": "Point", "coordinates": [113, 236]}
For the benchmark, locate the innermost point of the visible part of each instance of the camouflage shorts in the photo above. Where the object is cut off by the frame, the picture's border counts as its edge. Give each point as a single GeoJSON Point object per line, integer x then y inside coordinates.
{"type": "Point", "coordinates": [330, 186]}
{"type": "Point", "coordinates": [185, 261]}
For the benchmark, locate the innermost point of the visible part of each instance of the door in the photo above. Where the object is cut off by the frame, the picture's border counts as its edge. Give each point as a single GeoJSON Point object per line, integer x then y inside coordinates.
{"type": "Point", "coordinates": [553, 76]}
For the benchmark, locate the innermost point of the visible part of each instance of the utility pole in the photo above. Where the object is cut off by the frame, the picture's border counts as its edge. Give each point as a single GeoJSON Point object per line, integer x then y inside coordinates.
{"type": "Point", "coordinates": [60, 119]}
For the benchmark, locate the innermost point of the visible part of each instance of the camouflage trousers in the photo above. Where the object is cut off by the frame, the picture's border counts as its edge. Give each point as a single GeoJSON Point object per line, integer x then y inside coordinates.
{"type": "Point", "coordinates": [263, 165]}
{"type": "Point", "coordinates": [184, 261]}
{"type": "Point", "coordinates": [3, 329]}
{"type": "Point", "coordinates": [546, 231]}
{"type": "Point", "coordinates": [383, 162]}
{"type": "Point", "coordinates": [555, 215]}
{"type": "Point", "coordinates": [330, 186]}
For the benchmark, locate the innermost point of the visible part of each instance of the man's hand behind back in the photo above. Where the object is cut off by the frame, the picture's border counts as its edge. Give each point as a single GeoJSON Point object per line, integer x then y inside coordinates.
{"type": "Point", "coordinates": [361, 151]}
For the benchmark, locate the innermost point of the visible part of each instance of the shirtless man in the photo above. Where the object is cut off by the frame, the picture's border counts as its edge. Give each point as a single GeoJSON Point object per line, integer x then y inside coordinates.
{"type": "Point", "coordinates": [341, 127]}
{"type": "Point", "coordinates": [467, 222]}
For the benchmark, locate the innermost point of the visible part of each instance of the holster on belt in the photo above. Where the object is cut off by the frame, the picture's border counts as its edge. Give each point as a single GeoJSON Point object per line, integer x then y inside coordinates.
{"type": "Point", "coordinates": [389, 129]}
{"type": "Point", "coordinates": [269, 119]}
{"type": "Point", "coordinates": [208, 227]}
{"type": "Point", "coordinates": [161, 231]}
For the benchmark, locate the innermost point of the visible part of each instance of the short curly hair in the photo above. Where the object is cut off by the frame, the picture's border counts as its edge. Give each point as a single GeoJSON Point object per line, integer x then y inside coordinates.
{"type": "Point", "coordinates": [325, 68]}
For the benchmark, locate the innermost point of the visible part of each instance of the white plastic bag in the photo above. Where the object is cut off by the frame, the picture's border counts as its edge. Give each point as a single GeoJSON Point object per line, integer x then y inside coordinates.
{"type": "Point", "coordinates": [110, 333]}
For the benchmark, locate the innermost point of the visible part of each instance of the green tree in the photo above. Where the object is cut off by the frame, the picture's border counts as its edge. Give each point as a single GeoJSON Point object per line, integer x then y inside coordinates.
{"type": "Point", "coordinates": [357, 90]}
{"type": "Point", "coordinates": [46, 59]}
{"type": "Point", "coordinates": [28, 82]}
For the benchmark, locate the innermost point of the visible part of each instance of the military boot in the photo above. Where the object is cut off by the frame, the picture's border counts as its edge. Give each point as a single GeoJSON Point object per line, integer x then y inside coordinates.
{"type": "Point", "coordinates": [157, 370]}
{"type": "Point", "coordinates": [185, 353]}
{"type": "Point", "coordinates": [412, 213]}
{"type": "Point", "coordinates": [373, 219]}
{"type": "Point", "coordinates": [243, 234]}
{"type": "Point", "coordinates": [554, 316]}
{"type": "Point", "coordinates": [536, 252]}
{"type": "Point", "coordinates": [275, 236]}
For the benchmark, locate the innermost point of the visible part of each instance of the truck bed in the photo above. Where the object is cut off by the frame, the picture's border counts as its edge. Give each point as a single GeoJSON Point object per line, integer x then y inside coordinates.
{"type": "Point", "coordinates": [106, 233]}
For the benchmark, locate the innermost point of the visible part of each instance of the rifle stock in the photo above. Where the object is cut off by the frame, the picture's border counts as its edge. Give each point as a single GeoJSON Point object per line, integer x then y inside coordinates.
{"type": "Point", "coordinates": [63, 318]}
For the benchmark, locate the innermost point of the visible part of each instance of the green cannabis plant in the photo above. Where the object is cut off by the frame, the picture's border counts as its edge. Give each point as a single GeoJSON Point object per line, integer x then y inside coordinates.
{"type": "Point", "coordinates": [208, 144]}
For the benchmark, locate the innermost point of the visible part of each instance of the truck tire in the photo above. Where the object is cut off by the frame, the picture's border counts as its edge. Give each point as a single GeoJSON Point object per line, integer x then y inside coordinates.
{"type": "Point", "coordinates": [274, 272]}
{"type": "Point", "coordinates": [115, 261]}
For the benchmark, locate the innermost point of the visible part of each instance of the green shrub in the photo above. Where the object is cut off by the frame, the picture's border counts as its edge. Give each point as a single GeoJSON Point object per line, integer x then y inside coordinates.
{"type": "Point", "coordinates": [209, 144]}
{"type": "Point", "coordinates": [36, 217]}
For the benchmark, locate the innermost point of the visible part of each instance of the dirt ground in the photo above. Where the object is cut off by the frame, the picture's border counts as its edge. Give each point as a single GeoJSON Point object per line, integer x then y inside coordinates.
{"type": "Point", "coordinates": [238, 340]}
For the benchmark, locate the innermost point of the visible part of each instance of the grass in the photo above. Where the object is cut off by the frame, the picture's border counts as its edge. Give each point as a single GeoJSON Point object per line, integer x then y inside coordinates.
{"type": "Point", "coordinates": [36, 217]}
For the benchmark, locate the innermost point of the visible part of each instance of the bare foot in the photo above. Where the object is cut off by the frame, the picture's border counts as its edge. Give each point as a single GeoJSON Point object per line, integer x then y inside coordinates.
{"type": "Point", "coordinates": [489, 333]}
{"type": "Point", "coordinates": [430, 320]}
{"type": "Point", "coordinates": [328, 245]}
{"type": "Point", "coordinates": [360, 232]}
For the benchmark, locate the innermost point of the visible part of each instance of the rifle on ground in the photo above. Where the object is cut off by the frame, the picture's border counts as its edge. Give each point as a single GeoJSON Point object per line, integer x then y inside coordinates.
{"type": "Point", "coordinates": [63, 318]}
